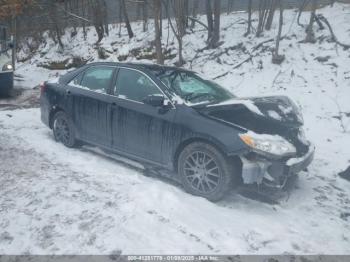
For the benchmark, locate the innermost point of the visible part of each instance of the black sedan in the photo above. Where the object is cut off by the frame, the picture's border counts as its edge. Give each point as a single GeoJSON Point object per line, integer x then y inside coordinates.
{"type": "Point", "coordinates": [171, 118]}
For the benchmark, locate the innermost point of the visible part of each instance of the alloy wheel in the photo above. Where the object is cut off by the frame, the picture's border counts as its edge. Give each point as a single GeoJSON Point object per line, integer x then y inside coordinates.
{"type": "Point", "coordinates": [62, 132]}
{"type": "Point", "coordinates": [202, 172]}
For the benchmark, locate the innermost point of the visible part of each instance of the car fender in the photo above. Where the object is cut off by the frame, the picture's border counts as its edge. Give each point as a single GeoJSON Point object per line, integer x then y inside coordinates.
{"type": "Point", "coordinates": [199, 127]}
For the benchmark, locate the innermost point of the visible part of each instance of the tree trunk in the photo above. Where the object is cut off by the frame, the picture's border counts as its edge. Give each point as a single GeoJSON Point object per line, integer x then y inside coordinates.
{"type": "Point", "coordinates": [271, 15]}
{"type": "Point", "coordinates": [105, 17]}
{"type": "Point", "coordinates": [180, 25]}
{"type": "Point", "coordinates": [263, 10]}
{"type": "Point", "coordinates": [209, 14]}
{"type": "Point", "coordinates": [180, 16]}
{"type": "Point", "coordinates": [126, 19]}
{"type": "Point", "coordinates": [249, 18]}
{"type": "Point", "coordinates": [229, 6]}
{"type": "Point", "coordinates": [158, 41]}
{"type": "Point", "coordinates": [138, 10]}
{"type": "Point", "coordinates": [276, 57]}
{"type": "Point", "coordinates": [194, 12]}
{"type": "Point", "coordinates": [161, 21]}
{"type": "Point", "coordinates": [216, 32]}
{"type": "Point", "coordinates": [145, 15]}
{"type": "Point", "coordinates": [14, 33]}
{"type": "Point", "coordinates": [96, 11]}
{"type": "Point", "coordinates": [53, 17]}
{"type": "Point", "coordinates": [310, 36]}
{"type": "Point", "coordinates": [83, 14]}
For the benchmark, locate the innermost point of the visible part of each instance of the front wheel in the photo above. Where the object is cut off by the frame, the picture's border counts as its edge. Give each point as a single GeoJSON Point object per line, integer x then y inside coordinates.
{"type": "Point", "coordinates": [63, 129]}
{"type": "Point", "coordinates": [205, 171]}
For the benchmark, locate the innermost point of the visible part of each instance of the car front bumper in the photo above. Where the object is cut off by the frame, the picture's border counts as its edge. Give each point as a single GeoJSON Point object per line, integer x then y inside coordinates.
{"type": "Point", "coordinates": [274, 173]}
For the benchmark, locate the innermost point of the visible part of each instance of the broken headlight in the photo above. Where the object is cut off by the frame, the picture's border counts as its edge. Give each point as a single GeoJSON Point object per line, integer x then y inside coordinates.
{"type": "Point", "coordinates": [268, 144]}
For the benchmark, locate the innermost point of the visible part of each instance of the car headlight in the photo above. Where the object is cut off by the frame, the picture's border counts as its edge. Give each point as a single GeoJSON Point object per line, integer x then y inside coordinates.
{"type": "Point", "coordinates": [7, 67]}
{"type": "Point", "coordinates": [268, 144]}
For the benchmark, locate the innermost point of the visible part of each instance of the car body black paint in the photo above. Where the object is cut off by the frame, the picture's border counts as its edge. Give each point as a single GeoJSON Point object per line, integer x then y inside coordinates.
{"type": "Point", "coordinates": [147, 133]}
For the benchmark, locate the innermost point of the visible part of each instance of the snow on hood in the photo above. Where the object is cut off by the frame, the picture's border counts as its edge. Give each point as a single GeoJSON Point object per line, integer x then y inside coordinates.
{"type": "Point", "coordinates": [278, 108]}
{"type": "Point", "coordinates": [247, 103]}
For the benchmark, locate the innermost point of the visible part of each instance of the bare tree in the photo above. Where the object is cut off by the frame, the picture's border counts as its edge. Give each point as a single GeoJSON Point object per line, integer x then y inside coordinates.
{"type": "Point", "coordinates": [179, 28]}
{"type": "Point", "coordinates": [230, 4]}
{"type": "Point", "coordinates": [249, 18]}
{"type": "Point", "coordinates": [301, 9]}
{"type": "Point", "coordinates": [271, 14]}
{"type": "Point", "coordinates": [276, 57]}
{"type": "Point", "coordinates": [158, 42]}
{"type": "Point", "coordinates": [310, 35]}
{"type": "Point", "coordinates": [179, 8]}
{"type": "Point", "coordinates": [83, 10]}
{"type": "Point", "coordinates": [216, 32]}
{"type": "Point", "coordinates": [105, 16]}
{"type": "Point", "coordinates": [213, 22]}
{"type": "Point", "coordinates": [145, 15]}
{"type": "Point", "coordinates": [95, 8]}
{"type": "Point", "coordinates": [194, 12]}
{"type": "Point", "coordinates": [54, 21]}
{"type": "Point", "coordinates": [209, 13]}
{"type": "Point", "coordinates": [126, 18]}
{"type": "Point", "coordinates": [263, 12]}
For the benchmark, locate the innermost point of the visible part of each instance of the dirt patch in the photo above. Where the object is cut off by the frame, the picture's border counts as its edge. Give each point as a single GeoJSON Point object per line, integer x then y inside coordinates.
{"type": "Point", "coordinates": [20, 98]}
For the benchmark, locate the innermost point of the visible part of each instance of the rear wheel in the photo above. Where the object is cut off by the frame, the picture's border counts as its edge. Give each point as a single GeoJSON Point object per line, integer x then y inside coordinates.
{"type": "Point", "coordinates": [63, 129]}
{"type": "Point", "coordinates": [205, 171]}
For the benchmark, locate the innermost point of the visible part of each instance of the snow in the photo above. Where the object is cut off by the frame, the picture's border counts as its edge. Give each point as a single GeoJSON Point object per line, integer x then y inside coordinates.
{"type": "Point", "coordinates": [55, 200]}
{"type": "Point", "coordinates": [274, 115]}
{"type": "Point", "coordinates": [247, 103]}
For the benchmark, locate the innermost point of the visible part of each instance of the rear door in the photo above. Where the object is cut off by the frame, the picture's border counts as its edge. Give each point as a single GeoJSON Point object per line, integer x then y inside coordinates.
{"type": "Point", "coordinates": [139, 129]}
{"type": "Point", "coordinates": [91, 102]}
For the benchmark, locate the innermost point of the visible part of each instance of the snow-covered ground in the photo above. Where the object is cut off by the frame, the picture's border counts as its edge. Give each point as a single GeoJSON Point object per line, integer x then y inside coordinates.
{"type": "Point", "coordinates": [59, 200]}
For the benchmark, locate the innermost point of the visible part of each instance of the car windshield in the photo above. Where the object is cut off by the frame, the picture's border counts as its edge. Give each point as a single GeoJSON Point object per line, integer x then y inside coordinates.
{"type": "Point", "coordinates": [192, 88]}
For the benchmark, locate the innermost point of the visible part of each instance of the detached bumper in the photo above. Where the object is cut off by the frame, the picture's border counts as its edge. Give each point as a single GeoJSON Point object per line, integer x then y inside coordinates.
{"type": "Point", "coordinates": [296, 165]}
{"type": "Point", "coordinates": [274, 173]}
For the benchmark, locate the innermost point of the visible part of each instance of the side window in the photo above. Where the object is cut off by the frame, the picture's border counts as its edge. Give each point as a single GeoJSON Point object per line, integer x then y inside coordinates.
{"type": "Point", "coordinates": [97, 78]}
{"type": "Point", "coordinates": [134, 85]}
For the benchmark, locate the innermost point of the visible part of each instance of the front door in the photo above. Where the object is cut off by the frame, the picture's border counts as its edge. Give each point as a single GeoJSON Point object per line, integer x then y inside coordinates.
{"type": "Point", "coordinates": [139, 129]}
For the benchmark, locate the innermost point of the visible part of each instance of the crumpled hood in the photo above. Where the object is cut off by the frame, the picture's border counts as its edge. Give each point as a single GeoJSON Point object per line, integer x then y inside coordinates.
{"type": "Point", "coordinates": [280, 108]}
{"type": "Point", "coordinates": [277, 109]}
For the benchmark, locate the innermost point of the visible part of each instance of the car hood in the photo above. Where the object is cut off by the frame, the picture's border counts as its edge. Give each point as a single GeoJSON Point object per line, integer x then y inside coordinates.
{"type": "Point", "coordinates": [252, 111]}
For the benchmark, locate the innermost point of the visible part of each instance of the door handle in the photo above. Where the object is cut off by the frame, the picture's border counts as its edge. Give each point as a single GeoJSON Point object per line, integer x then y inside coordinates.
{"type": "Point", "coordinates": [68, 92]}
{"type": "Point", "coordinates": [114, 104]}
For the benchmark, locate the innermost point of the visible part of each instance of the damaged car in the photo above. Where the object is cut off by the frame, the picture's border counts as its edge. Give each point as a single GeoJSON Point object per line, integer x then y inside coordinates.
{"type": "Point", "coordinates": [172, 119]}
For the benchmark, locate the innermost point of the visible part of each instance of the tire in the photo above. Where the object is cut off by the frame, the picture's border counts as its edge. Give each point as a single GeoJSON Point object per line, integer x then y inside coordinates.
{"type": "Point", "coordinates": [63, 129]}
{"type": "Point", "coordinates": [205, 171]}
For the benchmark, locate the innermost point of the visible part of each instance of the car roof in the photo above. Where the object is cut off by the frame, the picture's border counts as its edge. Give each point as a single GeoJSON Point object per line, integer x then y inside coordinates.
{"type": "Point", "coordinates": [140, 66]}
{"type": "Point", "coordinates": [144, 67]}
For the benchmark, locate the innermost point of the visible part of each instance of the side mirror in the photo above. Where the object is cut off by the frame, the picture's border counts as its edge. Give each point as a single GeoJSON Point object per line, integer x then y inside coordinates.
{"type": "Point", "coordinates": [154, 100]}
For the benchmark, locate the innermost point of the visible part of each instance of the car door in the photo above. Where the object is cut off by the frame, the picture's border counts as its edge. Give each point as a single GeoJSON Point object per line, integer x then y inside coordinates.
{"type": "Point", "coordinates": [91, 104]}
{"type": "Point", "coordinates": [140, 129]}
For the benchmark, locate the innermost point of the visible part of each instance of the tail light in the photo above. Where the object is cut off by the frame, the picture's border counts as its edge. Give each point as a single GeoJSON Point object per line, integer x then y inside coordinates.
{"type": "Point", "coordinates": [42, 87]}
